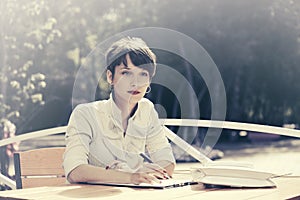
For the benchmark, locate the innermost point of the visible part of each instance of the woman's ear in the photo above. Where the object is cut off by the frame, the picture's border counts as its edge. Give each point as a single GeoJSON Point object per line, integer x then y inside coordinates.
{"type": "Point", "coordinates": [109, 77]}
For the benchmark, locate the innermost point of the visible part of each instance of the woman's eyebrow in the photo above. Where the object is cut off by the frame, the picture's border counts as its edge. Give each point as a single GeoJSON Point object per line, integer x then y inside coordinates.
{"type": "Point", "coordinates": [126, 68]}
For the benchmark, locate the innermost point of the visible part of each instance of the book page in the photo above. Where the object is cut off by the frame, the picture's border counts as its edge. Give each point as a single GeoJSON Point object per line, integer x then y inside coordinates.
{"type": "Point", "coordinates": [233, 176]}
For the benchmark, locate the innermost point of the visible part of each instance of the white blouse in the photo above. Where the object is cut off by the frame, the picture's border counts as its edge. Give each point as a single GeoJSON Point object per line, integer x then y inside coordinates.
{"type": "Point", "coordinates": [95, 136]}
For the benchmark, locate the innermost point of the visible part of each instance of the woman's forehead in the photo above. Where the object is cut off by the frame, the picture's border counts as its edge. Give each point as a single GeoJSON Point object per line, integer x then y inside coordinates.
{"type": "Point", "coordinates": [130, 67]}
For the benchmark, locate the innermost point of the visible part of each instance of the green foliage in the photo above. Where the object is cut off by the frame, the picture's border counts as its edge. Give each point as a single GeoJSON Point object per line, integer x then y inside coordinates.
{"type": "Point", "coordinates": [24, 35]}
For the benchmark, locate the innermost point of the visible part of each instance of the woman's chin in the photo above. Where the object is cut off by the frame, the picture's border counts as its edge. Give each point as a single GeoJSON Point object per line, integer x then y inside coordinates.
{"type": "Point", "coordinates": [135, 98]}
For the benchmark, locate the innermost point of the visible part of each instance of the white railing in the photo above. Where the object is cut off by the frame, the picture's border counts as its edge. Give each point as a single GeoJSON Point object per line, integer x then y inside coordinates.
{"type": "Point", "coordinates": [34, 134]}
{"type": "Point", "coordinates": [173, 137]}
{"type": "Point", "coordinates": [233, 125]}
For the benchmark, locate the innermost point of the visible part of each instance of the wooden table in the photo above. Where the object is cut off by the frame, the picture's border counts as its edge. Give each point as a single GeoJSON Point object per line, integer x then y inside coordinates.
{"type": "Point", "coordinates": [287, 188]}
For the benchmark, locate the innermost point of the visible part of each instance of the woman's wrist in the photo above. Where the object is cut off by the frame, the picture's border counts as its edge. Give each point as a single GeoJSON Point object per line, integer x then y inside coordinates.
{"type": "Point", "coordinates": [119, 176]}
{"type": "Point", "coordinates": [128, 177]}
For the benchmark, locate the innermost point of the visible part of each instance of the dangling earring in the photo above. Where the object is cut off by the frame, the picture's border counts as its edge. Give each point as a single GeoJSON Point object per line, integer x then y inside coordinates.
{"type": "Point", "coordinates": [148, 89]}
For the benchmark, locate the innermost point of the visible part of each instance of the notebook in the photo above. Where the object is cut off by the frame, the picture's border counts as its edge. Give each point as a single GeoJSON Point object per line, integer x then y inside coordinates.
{"type": "Point", "coordinates": [168, 183]}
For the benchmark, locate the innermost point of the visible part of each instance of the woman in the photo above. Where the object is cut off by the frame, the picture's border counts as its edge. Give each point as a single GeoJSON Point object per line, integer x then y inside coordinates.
{"type": "Point", "coordinates": [105, 139]}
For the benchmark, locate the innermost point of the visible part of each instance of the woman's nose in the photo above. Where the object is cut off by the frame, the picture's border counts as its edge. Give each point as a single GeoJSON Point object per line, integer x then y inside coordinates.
{"type": "Point", "coordinates": [139, 80]}
{"type": "Point", "coordinates": [134, 81]}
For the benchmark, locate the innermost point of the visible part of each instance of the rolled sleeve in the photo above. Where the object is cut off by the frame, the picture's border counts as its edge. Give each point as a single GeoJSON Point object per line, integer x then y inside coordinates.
{"type": "Point", "coordinates": [78, 137]}
{"type": "Point", "coordinates": [157, 143]}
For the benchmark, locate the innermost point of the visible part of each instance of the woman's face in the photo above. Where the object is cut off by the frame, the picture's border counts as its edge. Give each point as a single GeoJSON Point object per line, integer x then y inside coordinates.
{"type": "Point", "coordinates": [130, 83]}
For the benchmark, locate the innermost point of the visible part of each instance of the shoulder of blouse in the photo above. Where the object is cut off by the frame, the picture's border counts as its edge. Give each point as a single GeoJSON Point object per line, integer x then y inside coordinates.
{"type": "Point", "coordinates": [101, 105]}
{"type": "Point", "coordinates": [144, 102]}
{"type": "Point", "coordinates": [145, 112]}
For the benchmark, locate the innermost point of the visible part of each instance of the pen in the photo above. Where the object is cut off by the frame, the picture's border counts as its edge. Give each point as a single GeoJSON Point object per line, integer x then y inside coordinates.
{"type": "Point", "coordinates": [146, 158]}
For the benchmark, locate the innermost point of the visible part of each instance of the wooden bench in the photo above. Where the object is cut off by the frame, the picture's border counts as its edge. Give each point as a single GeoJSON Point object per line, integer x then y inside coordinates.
{"type": "Point", "coordinates": [39, 167]}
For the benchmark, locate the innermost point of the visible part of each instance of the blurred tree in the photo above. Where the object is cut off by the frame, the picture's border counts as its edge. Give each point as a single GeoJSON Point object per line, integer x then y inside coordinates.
{"type": "Point", "coordinates": [25, 33]}
{"type": "Point", "coordinates": [255, 44]}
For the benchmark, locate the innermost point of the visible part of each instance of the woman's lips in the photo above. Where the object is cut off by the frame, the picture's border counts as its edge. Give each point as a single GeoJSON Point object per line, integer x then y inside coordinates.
{"type": "Point", "coordinates": [134, 92]}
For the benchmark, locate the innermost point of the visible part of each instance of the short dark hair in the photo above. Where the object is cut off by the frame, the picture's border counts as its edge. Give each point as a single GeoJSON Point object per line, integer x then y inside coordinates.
{"type": "Point", "coordinates": [138, 51]}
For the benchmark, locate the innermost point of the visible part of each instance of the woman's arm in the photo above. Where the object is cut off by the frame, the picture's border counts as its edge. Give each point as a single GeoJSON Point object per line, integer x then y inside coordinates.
{"type": "Point", "coordinates": [158, 145]}
{"type": "Point", "coordinates": [86, 173]}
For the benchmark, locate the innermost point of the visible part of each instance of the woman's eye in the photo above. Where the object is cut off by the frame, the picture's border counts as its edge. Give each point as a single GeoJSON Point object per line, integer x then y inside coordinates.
{"type": "Point", "coordinates": [144, 74]}
{"type": "Point", "coordinates": [125, 73]}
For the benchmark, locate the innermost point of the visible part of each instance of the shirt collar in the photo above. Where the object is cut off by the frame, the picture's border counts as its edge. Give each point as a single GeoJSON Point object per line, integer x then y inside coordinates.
{"type": "Point", "coordinates": [115, 112]}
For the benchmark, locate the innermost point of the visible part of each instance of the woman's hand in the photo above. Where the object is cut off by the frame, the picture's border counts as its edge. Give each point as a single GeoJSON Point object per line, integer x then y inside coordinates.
{"type": "Point", "coordinates": [155, 170]}
{"type": "Point", "coordinates": [140, 177]}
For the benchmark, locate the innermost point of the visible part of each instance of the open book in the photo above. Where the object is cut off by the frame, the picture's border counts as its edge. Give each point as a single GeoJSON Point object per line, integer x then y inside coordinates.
{"type": "Point", "coordinates": [168, 183]}
{"type": "Point", "coordinates": [233, 175]}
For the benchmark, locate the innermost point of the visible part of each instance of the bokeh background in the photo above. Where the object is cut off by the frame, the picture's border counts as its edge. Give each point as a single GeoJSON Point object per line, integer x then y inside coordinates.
{"type": "Point", "coordinates": [255, 44]}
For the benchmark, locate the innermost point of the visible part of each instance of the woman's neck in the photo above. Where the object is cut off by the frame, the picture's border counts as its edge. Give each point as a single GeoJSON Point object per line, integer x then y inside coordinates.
{"type": "Point", "coordinates": [127, 110]}
{"type": "Point", "coordinates": [125, 106]}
